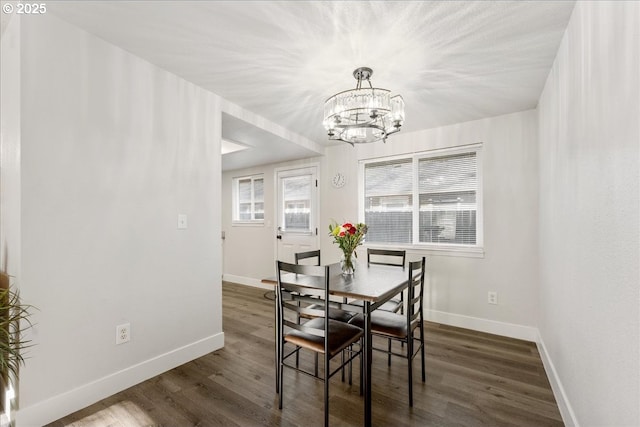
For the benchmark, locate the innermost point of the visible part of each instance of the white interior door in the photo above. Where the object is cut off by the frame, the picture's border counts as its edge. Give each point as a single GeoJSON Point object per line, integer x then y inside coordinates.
{"type": "Point", "coordinates": [297, 216]}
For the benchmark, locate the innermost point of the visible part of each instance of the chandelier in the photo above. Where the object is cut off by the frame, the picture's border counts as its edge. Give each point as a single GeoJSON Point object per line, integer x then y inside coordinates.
{"type": "Point", "coordinates": [363, 115]}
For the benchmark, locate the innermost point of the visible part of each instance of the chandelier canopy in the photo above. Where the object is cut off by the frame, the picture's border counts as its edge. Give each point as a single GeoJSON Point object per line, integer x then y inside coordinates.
{"type": "Point", "coordinates": [363, 115]}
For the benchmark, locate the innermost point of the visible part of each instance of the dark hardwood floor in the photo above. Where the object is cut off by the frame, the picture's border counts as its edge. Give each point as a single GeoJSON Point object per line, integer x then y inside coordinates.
{"type": "Point", "coordinates": [473, 379]}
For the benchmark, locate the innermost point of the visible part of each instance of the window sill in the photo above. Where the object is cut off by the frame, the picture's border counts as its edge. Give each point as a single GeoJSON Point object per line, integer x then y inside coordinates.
{"type": "Point", "coordinates": [247, 223]}
{"type": "Point", "coordinates": [465, 252]}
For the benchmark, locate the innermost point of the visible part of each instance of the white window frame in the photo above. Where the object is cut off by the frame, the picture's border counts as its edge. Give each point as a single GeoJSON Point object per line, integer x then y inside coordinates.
{"type": "Point", "coordinates": [235, 190]}
{"type": "Point", "coordinates": [476, 250]}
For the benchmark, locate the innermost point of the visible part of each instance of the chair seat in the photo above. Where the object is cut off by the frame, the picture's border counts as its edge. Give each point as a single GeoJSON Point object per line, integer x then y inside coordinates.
{"type": "Point", "coordinates": [385, 323]}
{"type": "Point", "coordinates": [334, 313]}
{"type": "Point", "coordinates": [341, 336]}
{"type": "Point", "coordinates": [393, 305]}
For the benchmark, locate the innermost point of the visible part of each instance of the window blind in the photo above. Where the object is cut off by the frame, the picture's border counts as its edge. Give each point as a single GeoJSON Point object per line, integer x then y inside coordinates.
{"type": "Point", "coordinates": [447, 190]}
{"type": "Point", "coordinates": [388, 203]}
{"type": "Point", "coordinates": [425, 198]}
{"type": "Point", "coordinates": [249, 199]}
{"type": "Point", "coordinates": [258, 198]}
{"type": "Point", "coordinates": [244, 199]}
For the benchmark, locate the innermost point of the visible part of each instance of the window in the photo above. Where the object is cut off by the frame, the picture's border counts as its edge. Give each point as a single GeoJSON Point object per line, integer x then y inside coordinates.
{"type": "Point", "coordinates": [388, 202]}
{"type": "Point", "coordinates": [248, 199]}
{"type": "Point", "coordinates": [296, 199]}
{"type": "Point", "coordinates": [428, 200]}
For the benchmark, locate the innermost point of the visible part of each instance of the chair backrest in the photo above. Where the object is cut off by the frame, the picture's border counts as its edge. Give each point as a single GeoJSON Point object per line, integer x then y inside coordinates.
{"type": "Point", "coordinates": [306, 255]}
{"type": "Point", "coordinates": [416, 291]}
{"type": "Point", "coordinates": [386, 257]}
{"type": "Point", "coordinates": [318, 276]}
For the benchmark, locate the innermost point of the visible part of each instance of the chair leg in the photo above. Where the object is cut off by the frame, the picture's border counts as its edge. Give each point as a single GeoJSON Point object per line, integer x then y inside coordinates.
{"type": "Point", "coordinates": [280, 376]}
{"type": "Point", "coordinates": [326, 390]}
{"type": "Point", "coordinates": [278, 342]}
{"type": "Point", "coordinates": [410, 367]}
{"type": "Point", "coordinates": [422, 349]}
{"type": "Point", "coordinates": [297, 352]}
{"type": "Point", "coordinates": [402, 311]}
{"type": "Point", "coordinates": [361, 369]}
{"type": "Point", "coordinates": [277, 369]}
{"type": "Point", "coordinates": [359, 364]}
{"type": "Point", "coordinates": [350, 365]}
{"type": "Point", "coordinates": [389, 354]}
{"type": "Point", "coordinates": [316, 365]}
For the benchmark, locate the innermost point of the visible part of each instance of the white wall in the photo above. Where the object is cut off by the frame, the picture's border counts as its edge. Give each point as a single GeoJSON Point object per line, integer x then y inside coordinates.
{"type": "Point", "coordinates": [10, 158]}
{"type": "Point", "coordinates": [112, 150]}
{"type": "Point", "coordinates": [10, 146]}
{"type": "Point", "coordinates": [589, 216]}
{"type": "Point", "coordinates": [458, 286]}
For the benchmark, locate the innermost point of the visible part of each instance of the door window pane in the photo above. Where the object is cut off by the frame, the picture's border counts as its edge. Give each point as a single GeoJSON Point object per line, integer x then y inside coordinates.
{"type": "Point", "coordinates": [296, 194]}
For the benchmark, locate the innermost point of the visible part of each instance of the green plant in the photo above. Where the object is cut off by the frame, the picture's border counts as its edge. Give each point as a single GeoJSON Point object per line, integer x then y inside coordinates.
{"type": "Point", "coordinates": [12, 344]}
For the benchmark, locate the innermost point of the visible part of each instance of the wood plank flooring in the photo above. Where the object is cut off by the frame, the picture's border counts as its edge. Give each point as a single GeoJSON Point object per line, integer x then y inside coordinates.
{"type": "Point", "coordinates": [473, 379]}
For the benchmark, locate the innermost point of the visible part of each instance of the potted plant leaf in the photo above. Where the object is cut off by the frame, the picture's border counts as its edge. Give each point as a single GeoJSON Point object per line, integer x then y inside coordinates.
{"type": "Point", "coordinates": [12, 343]}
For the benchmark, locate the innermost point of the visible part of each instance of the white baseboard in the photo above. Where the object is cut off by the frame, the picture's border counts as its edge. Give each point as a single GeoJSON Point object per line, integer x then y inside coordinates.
{"type": "Point", "coordinates": [511, 330]}
{"type": "Point", "coordinates": [248, 281]}
{"type": "Point", "coordinates": [61, 405]}
{"type": "Point", "coordinates": [566, 411]}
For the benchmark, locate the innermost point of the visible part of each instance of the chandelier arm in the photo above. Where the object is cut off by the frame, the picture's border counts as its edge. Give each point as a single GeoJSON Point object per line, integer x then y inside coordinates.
{"type": "Point", "coordinates": [394, 130]}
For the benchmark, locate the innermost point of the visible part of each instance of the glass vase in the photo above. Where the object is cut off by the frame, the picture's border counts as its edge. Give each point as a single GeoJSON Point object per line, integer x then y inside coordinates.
{"type": "Point", "coordinates": [347, 264]}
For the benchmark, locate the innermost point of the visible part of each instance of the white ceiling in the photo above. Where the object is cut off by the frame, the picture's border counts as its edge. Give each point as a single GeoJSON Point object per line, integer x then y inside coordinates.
{"type": "Point", "coordinates": [452, 61]}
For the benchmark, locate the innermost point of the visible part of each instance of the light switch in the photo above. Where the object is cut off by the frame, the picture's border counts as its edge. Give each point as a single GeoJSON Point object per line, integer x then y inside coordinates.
{"type": "Point", "coordinates": [182, 221]}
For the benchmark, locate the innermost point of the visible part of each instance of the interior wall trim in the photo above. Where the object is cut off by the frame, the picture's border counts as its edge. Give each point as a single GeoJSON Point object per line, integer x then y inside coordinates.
{"type": "Point", "coordinates": [511, 330]}
{"type": "Point", "coordinates": [566, 411]}
{"type": "Point", "coordinates": [56, 407]}
{"type": "Point", "coordinates": [247, 281]}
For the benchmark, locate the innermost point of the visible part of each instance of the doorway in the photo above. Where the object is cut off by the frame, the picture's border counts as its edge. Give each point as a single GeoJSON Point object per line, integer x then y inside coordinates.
{"type": "Point", "coordinates": [297, 205]}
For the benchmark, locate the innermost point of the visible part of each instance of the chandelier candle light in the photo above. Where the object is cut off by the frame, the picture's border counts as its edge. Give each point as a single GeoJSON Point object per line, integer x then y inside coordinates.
{"type": "Point", "coordinates": [348, 236]}
{"type": "Point", "coordinates": [363, 115]}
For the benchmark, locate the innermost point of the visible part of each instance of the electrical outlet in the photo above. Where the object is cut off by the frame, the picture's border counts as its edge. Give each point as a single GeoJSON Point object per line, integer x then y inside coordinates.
{"type": "Point", "coordinates": [123, 333]}
{"type": "Point", "coordinates": [182, 221]}
{"type": "Point", "coordinates": [492, 298]}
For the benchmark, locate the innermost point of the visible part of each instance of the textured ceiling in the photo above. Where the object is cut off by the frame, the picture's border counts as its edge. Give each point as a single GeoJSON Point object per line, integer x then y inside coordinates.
{"type": "Point", "coordinates": [452, 61]}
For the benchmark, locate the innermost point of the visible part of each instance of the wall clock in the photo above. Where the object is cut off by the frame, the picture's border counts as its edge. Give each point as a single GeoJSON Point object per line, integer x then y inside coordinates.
{"type": "Point", "coordinates": [338, 180]}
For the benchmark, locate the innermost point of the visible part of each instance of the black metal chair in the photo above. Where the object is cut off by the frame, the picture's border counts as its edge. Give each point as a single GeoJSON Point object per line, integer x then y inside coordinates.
{"type": "Point", "coordinates": [321, 334]}
{"type": "Point", "coordinates": [395, 258]}
{"type": "Point", "coordinates": [307, 255]}
{"type": "Point", "coordinates": [334, 313]}
{"type": "Point", "coordinates": [402, 327]}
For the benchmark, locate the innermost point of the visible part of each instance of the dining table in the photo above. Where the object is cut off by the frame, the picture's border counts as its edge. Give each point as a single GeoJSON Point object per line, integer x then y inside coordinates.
{"type": "Point", "coordinates": [372, 285]}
